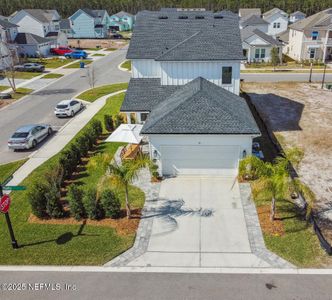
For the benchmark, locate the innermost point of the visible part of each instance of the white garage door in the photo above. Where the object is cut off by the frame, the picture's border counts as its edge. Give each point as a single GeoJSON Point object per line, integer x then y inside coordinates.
{"type": "Point", "coordinates": [200, 160]}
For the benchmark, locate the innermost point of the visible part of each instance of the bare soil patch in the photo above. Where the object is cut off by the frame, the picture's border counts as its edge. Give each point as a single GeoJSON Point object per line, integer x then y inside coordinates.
{"type": "Point", "coordinates": [122, 225]}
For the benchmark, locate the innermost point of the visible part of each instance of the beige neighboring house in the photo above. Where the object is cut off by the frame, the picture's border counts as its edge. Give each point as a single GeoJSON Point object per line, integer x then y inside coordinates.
{"type": "Point", "coordinates": [248, 12]}
{"type": "Point", "coordinates": [311, 38]}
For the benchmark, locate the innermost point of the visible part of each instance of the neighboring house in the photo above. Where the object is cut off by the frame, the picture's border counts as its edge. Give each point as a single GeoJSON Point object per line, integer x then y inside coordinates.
{"type": "Point", "coordinates": [40, 22]}
{"type": "Point", "coordinates": [65, 27]}
{"type": "Point", "coordinates": [256, 22]}
{"type": "Point", "coordinates": [88, 23]}
{"type": "Point", "coordinates": [185, 89]}
{"type": "Point", "coordinates": [257, 45]}
{"type": "Point", "coordinates": [122, 21]}
{"type": "Point", "coordinates": [33, 45]}
{"type": "Point", "coordinates": [296, 16]}
{"type": "Point", "coordinates": [278, 21]}
{"type": "Point", "coordinates": [311, 38]}
{"type": "Point", "coordinates": [248, 12]}
{"type": "Point", "coordinates": [8, 30]}
{"type": "Point", "coordinates": [284, 39]}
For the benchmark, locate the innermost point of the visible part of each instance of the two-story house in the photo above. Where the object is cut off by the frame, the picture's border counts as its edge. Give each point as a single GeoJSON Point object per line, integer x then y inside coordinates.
{"type": "Point", "coordinates": [311, 38]}
{"type": "Point", "coordinates": [296, 16]}
{"type": "Point", "coordinates": [40, 22]}
{"type": "Point", "coordinates": [185, 90]}
{"type": "Point", "coordinates": [278, 21]}
{"type": "Point", "coordinates": [122, 21]}
{"type": "Point", "coordinates": [8, 30]}
{"type": "Point", "coordinates": [89, 23]}
{"type": "Point", "coordinates": [8, 51]}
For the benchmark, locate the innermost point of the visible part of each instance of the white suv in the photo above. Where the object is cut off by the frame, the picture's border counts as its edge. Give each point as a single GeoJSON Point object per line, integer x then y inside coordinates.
{"type": "Point", "coordinates": [68, 108]}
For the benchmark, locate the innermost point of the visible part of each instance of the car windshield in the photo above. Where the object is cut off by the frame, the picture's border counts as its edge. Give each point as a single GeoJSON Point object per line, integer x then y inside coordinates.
{"type": "Point", "coordinates": [62, 106]}
{"type": "Point", "coordinates": [18, 135]}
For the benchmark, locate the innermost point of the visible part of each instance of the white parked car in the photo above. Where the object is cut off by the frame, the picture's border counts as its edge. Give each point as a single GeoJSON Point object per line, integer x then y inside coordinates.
{"type": "Point", "coordinates": [68, 108]}
{"type": "Point", "coordinates": [29, 136]}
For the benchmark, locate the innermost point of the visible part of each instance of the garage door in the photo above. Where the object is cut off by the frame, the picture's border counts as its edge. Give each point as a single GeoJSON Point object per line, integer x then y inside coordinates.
{"type": "Point", "coordinates": [200, 160]}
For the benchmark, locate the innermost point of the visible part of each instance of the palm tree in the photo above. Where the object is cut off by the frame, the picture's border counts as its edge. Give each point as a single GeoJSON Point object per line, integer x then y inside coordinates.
{"type": "Point", "coordinates": [123, 175]}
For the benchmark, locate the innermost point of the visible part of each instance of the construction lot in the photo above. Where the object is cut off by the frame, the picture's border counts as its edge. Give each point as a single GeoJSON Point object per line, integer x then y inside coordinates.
{"type": "Point", "coordinates": [300, 115]}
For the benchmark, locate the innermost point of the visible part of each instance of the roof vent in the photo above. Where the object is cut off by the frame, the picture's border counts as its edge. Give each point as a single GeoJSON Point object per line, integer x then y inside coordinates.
{"type": "Point", "coordinates": [199, 17]}
{"type": "Point", "coordinates": [163, 17]}
{"type": "Point", "coordinates": [183, 17]}
{"type": "Point", "coordinates": [218, 17]}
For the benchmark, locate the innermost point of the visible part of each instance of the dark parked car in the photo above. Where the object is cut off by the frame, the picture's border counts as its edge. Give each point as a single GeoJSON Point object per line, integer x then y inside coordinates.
{"type": "Point", "coordinates": [5, 96]}
{"type": "Point", "coordinates": [30, 67]}
{"type": "Point", "coordinates": [116, 36]}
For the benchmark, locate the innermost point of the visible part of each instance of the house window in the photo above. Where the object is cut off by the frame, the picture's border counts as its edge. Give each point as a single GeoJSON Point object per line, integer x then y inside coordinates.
{"type": "Point", "coordinates": [144, 116]}
{"type": "Point", "coordinates": [226, 75]}
{"type": "Point", "coordinates": [314, 35]}
{"type": "Point", "coordinates": [259, 53]}
{"type": "Point", "coordinates": [276, 25]}
{"type": "Point", "coordinates": [312, 52]}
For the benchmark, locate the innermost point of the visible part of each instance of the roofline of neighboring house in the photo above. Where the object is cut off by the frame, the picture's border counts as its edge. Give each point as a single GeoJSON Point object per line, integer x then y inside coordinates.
{"type": "Point", "coordinates": [80, 9]}
{"type": "Point", "coordinates": [30, 16]}
{"type": "Point", "coordinates": [202, 133]}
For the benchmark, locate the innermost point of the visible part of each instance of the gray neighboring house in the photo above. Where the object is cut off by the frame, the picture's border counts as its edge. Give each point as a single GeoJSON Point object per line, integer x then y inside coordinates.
{"type": "Point", "coordinates": [254, 21]}
{"type": "Point", "coordinates": [66, 27]}
{"type": "Point", "coordinates": [8, 49]}
{"type": "Point", "coordinates": [33, 45]}
{"type": "Point", "coordinates": [248, 12]}
{"type": "Point", "coordinates": [257, 45]}
{"type": "Point", "coordinates": [185, 90]}
{"type": "Point", "coordinates": [297, 16]}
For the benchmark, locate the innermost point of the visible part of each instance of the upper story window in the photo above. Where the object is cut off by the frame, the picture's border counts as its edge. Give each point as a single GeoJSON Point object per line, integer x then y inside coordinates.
{"type": "Point", "coordinates": [314, 35]}
{"type": "Point", "coordinates": [226, 75]}
{"type": "Point", "coordinates": [276, 25]}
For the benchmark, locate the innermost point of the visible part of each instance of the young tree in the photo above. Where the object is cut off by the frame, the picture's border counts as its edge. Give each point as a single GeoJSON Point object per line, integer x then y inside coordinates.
{"type": "Point", "coordinates": [122, 176]}
{"type": "Point", "coordinates": [91, 76]}
{"type": "Point", "coordinates": [8, 60]}
{"type": "Point", "coordinates": [275, 59]}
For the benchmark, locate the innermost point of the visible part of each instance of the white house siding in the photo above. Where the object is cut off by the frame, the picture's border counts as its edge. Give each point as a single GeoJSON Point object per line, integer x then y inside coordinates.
{"type": "Point", "coordinates": [253, 43]}
{"type": "Point", "coordinates": [145, 68]}
{"type": "Point", "coordinates": [206, 153]}
{"type": "Point", "coordinates": [180, 73]}
{"type": "Point", "coordinates": [83, 26]}
{"type": "Point", "coordinates": [28, 24]}
{"type": "Point", "coordinates": [62, 39]}
{"type": "Point", "coordinates": [31, 50]}
{"type": "Point", "coordinates": [277, 18]}
{"type": "Point", "coordinates": [295, 44]}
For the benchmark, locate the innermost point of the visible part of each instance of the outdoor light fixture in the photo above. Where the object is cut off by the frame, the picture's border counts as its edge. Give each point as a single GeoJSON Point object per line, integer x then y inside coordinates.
{"type": "Point", "coordinates": [244, 153]}
{"type": "Point", "coordinates": [155, 153]}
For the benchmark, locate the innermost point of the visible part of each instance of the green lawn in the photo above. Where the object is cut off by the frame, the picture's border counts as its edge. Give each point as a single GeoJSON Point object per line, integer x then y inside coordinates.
{"type": "Point", "coordinates": [64, 244]}
{"type": "Point", "coordinates": [7, 170]}
{"type": "Point", "coordinates": [299, 244]}
{"type": "Point", "coordinates": [51, 63]}
{"type": "Point", "coordinates": [52, 75]}
{"type": "Point", "coordinates": [76, 65]}
{"type": "Point", "coordinates": [26, 75]}
{"type": "Point", "coordinates": [4, 87]}
{"type": "Point", "coordinates": [111, 49]}
{"type": "Point", "coordinates": [93, 94]}
{"type": "Point", "coordinates": [98, 54]}
{"type": "Point", "coordinates": [126, 65]}
{"type": "Point", "coordinates": [93, 49]}
{"type": "Point", "coordinates": [21, 92]}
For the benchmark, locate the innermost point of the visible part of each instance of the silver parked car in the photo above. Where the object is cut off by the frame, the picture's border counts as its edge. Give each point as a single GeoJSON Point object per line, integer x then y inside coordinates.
{"type": "Point", "coordinates": [29, 136]}
{"type": "Point", "coordinates": [68, 108]}
{"type": "Point", "coordinates": [30, 67]}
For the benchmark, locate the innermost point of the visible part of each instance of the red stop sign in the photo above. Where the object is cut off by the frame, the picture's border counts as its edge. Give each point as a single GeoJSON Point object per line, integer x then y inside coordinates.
{"type": "Point", "coordinates": [4, 203]}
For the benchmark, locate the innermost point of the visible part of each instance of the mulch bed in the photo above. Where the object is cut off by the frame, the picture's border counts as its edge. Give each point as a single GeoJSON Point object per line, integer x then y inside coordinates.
{"type": "Point", "coordinates": [275, 228]}
{"type": "Point", "coordinates": [122, 225]}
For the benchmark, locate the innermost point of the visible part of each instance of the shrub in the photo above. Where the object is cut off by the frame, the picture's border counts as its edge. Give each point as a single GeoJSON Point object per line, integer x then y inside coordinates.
{"type": "Point", "coordinates": [108, 123]}
{"type": "Point", "coordinates": [68, 162]}
{"type": "Point", "coordinates": [97, 127]}
{"type": "Point", "coordinates": [92, 205]}
{"type": "Point", "coordinates": [53, 206]}
{"type": "Point", "coordinates": [119, 120]}
{"type": "Point", "coordinates": [75, 154]}
{"type": "Point", "coordinates": [37, 199]}
{"type": "Point", "coordinates": [110, 203]}
{"type": "Point", "coordinates": [74, 197]}
{"type": "Point", "coordinates": [82, 144]}
{"type": "Point", "coordinates": [251, 168]}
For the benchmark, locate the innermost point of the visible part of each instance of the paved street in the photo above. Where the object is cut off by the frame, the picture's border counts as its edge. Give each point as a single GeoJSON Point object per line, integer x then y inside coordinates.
{"type": "Point", "coordinates": [38, 107]}
{"type": "Point", "coordinates": [133, 286]}
{"type": "Point", "coordinates": [270, 77]}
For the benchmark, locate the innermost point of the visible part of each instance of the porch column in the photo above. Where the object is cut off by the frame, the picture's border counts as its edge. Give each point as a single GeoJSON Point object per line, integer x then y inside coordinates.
{"type": "Point", "coordinates": [249, 54]}
{"type": "Point", "coordinates": [325, 45]}
{"type": "Point", "coordinates": [128, 118]}
{"type": "Point", "coordinates": [138, 118]}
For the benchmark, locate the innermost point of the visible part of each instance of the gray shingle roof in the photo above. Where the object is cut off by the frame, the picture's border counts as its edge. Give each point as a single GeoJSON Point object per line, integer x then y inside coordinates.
{"type": "Point", "coordinates": [183, 36]}
{"type": "Point", "coordinates": [30, 39]}
{"type": "Point", "coordinates": [145, 93]}
{"type": "Point", "coordinates": [273, 11]}
{"type": "Point", "coordinates": [5, 24]}
{"type": "Point", "coordinates": [42, 15]}
{"type": "Point", "coordinates": [95, 13]}
{"type": "Point", "coordinates": [201, 107]}
{"type": "Point", "coordinates": [65, 24]}
{"type": "Point", "coordinates": [249, 31]}
{"type": "Point", "coordinates": [253, 20]}
{"type": "Point", "coordinates": [321, 19]}
{"type": "Point", "coordinates": [298, 13]}
{"type": "Point", "coordinates": [245, 12]}
{"type": "Point", "coordinates": [122, 14]}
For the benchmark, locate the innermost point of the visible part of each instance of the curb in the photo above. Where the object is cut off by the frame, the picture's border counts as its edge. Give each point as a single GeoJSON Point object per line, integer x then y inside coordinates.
{"type": "Point", "coordinates": [123, 69]}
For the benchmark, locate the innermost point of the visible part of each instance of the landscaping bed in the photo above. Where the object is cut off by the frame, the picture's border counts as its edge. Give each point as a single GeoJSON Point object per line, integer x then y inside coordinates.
{"type": "Point", "coordinates": [93, 94]}
{"type": "Point", "coordinates": [66, 241]}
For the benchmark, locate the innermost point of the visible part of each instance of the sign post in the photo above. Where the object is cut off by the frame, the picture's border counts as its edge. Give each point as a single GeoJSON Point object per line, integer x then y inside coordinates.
{"type": "Point", "coordinates": [4, 208]}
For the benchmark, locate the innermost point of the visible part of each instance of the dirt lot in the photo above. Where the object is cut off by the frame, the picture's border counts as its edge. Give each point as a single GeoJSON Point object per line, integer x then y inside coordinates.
{"type": "Point", "coordinates": [92, 43]}
{"type": "Point", "coordinates": [300, 114]}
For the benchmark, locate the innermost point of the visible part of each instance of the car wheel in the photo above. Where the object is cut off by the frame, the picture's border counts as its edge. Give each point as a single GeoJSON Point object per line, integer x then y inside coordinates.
{"type": "Point", "coordinates": [72, 113]}
{"type": "Point", "coordinates": [34, 144]}
{"type": "Point", "coordinates": [81, 57]}
{"type": "Point", "coordinates": [49, 131]}
{"type": "Point", "coordinates": [82, 106]}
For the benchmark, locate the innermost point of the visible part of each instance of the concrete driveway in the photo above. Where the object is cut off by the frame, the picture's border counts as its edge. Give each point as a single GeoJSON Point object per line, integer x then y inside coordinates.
{"type": "Point", "coordinates": [198, 222]}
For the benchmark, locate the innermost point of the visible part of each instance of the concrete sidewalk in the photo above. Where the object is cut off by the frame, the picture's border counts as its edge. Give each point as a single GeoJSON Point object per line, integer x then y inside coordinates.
{"type": "Point", "coordinates": [60, 140]}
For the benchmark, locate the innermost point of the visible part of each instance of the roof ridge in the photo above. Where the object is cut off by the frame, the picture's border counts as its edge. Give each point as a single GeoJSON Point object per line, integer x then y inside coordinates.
{"type": "Point", "coordinates": [178, 44]}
